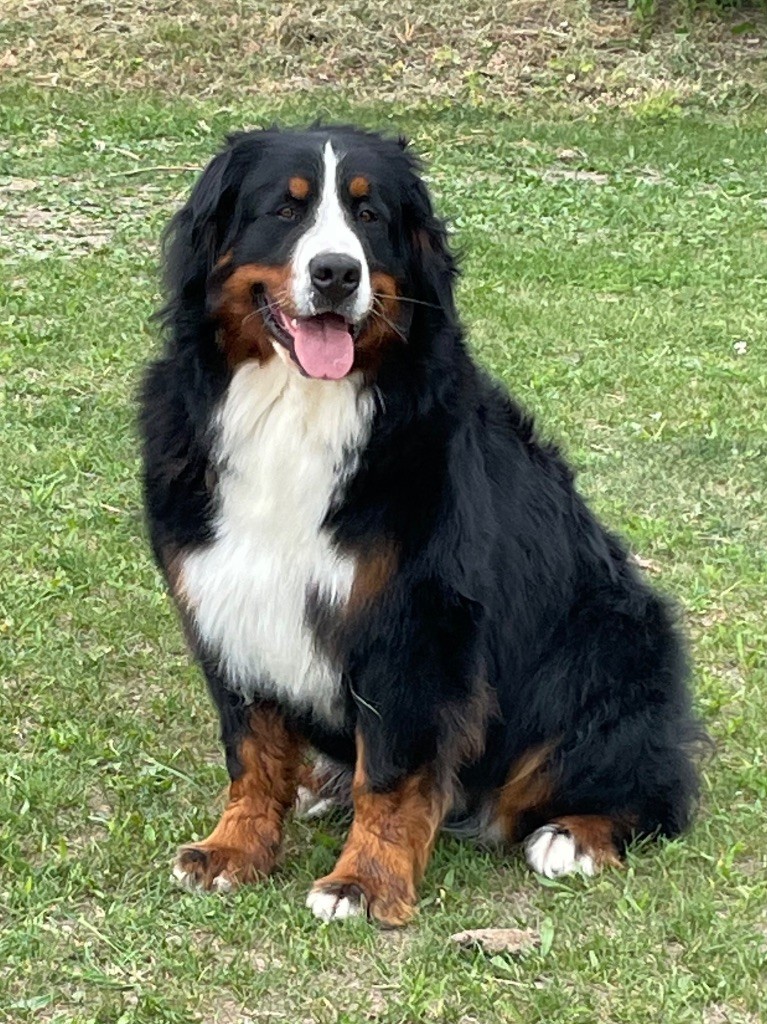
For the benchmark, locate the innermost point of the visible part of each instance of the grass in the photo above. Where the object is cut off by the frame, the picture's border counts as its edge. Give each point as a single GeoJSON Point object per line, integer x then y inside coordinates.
{"type": "Point", "coordinates": [614, 278]}
{"type": "Point", "coordinates": [565, 53]}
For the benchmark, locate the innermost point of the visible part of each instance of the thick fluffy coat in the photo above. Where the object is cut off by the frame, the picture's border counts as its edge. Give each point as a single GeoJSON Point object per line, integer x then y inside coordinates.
{"type": "Point", "coordinates": [375, 557]}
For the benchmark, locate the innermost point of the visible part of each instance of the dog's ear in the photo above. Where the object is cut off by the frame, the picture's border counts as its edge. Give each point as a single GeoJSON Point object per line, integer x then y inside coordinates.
{"type": "Point", "coordinates": [196, 234]}
{"type": "Point", "coordinates": [434, 267]}
{"type": "Point", "coordinates": [210, 206]}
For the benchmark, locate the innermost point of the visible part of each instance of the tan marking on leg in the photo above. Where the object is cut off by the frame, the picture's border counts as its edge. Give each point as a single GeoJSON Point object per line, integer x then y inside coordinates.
{"type": "Point", "coordinates": [528, 787]}
{"type": "Point", "coordinates": [389, 844]}
{"type": "Point", "coordinates": [308, 777]}
{"type": "Point", "coordinates": [244, 845]}
{"type": "Point", "coordinates": [594, 834]}
{"type": "Point", "coordinates": [323, 786]}
{"type": "Point", "coordinates": [465, 723]}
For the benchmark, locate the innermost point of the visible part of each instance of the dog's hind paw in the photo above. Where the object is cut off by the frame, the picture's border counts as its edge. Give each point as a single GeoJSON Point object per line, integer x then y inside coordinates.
{"type": "Point", "coordinates": [552, 852]}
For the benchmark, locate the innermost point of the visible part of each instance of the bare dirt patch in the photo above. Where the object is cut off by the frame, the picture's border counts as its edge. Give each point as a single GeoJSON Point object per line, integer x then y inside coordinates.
{"type": "Point", "coordinates": [36, 224]}
{"type": "Point", "coordinates": [719, 1013]}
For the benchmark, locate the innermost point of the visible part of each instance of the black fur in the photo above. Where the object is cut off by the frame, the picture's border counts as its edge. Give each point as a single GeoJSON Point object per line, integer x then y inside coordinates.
{"type": "Point", "coordinates": [513, 612]}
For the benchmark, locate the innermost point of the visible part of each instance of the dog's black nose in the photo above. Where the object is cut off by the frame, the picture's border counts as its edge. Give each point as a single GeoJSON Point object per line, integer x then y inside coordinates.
{"type": "Point", "coordinates": [335, 276]}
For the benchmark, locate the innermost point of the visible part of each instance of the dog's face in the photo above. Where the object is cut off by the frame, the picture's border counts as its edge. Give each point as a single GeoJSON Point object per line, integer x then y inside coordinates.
{"type": "Point", "coordinates": [312, 245]}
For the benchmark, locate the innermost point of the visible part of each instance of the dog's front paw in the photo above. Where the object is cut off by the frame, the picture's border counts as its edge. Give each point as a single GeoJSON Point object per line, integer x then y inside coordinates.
{"type": "Point", "coordinates": [391, 904]}
{"type": "Point", "coordinates": [552, 852]}
{"type": "Point", "coordinates": [335, 902]}
{"type": "Point", "coordinates": [207, 867]}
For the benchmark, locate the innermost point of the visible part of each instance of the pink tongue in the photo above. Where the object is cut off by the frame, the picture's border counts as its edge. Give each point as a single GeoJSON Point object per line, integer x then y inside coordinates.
{"type": "Point", "coordinates": [323, 345]}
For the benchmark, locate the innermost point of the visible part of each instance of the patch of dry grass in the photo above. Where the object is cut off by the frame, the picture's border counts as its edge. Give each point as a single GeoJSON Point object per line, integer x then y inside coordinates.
{"type": "Point", "coordinates": [476, 51]}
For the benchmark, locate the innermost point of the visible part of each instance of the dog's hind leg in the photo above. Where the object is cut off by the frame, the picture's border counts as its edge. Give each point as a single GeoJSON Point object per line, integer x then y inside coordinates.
{"type": "Point", "coordinates": [323, 786]}
{"type": "Point", "coordinates": [582, 843]}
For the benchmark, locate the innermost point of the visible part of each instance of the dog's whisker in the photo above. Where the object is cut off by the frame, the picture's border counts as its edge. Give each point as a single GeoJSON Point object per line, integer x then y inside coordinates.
{"type": "Point", "coordinates": [377, 312]}
{"type": "Point", "coordinates": [403, 298]}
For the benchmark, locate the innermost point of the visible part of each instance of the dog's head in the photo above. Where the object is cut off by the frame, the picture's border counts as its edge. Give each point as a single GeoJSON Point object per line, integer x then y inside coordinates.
{"type": "Point", "coordinates": [319, 246]}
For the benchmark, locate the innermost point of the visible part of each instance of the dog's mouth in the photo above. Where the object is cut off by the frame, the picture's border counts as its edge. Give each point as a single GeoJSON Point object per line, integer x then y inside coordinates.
{"type": "Point", "coordinates": [321, 345]}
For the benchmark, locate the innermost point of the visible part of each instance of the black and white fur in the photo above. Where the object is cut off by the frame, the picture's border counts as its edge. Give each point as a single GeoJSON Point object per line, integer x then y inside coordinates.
{"type": "Point", "coordinates": [513, 614]}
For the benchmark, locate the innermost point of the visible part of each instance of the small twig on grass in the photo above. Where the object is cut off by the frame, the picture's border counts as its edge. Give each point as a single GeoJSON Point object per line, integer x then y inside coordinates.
{"type": "Point", "coordinates": [104, 938]}
{"type": "Point", "coordinates": [156, 169]}
{"type": "Point", "coordinates": [126, 152]}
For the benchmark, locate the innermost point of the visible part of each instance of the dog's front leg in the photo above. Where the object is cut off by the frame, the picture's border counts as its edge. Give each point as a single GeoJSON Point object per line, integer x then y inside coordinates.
{"type": "Point", "coordinates": [264, 757]}
{"type": "Point", "coordinates": [422, 707]}
{"type": "Point", "coordinates": [389, 844]}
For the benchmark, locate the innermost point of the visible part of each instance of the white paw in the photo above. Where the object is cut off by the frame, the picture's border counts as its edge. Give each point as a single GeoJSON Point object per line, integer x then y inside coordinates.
{"type": "Point", "coordinates": [332, 906]}
{"type": "Point", "coordinates": [192, 883]}
{"type": "Point", "coordinates": [551, 852]}
{"type": "Point", "coordinates": [309, 805]}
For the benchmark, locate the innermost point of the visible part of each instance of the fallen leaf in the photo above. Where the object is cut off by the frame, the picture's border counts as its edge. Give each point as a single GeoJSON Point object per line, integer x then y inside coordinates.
{"type": "Point", "coordinates": [557, 174]}
{"type": "Point", "coordinates": [647, 564]}
{"type": "Point", "coordinates": [498, 940]}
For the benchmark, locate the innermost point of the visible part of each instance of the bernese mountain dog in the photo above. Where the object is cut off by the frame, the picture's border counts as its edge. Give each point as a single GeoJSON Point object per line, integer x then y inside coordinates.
{"type": "Point", "coordinates": [396, 594]}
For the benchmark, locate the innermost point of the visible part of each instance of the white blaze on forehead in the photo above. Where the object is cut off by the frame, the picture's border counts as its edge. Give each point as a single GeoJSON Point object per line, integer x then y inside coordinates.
{"type": "Point", "coordinates": [329, 232]}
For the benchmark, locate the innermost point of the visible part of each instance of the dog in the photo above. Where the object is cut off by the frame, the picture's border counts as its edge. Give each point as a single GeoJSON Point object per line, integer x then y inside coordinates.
{"type": "Point", "coordinates": [376, 558]}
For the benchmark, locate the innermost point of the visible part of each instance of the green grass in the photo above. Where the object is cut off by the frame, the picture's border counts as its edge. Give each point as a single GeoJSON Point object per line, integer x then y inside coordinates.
{"type": "Point", "coordinates": [615, 277]}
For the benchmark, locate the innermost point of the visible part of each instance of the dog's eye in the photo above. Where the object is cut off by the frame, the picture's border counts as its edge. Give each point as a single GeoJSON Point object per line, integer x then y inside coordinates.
{"type": "Point", "coordinates": [288, 213]}
{"type": "Point", "coordinates": [366, 215]}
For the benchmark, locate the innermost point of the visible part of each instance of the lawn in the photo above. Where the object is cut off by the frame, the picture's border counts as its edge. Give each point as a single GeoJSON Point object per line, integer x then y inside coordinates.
{"type": "Point", "coordinates": [615, 278]}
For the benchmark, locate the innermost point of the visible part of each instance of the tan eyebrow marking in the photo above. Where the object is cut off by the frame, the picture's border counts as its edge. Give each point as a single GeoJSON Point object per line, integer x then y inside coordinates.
{"type": "Point", "coordinates": [359, 187]}
{"type": "Point", "coordinates": [299, 188]}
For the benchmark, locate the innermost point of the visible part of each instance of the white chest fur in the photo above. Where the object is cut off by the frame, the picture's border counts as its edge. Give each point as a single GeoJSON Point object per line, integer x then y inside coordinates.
{"type": "Point", "coordinates": [286, 444]}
